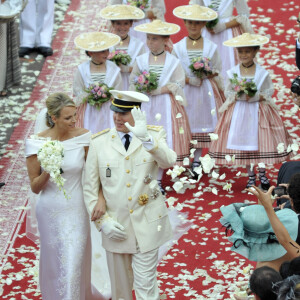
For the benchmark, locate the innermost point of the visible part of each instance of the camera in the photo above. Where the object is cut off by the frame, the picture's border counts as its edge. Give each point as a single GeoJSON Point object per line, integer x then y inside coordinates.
{"type": "Point", "coordinates": [279, 191]}
{"type": "Point", "coordinates": [295, 87]}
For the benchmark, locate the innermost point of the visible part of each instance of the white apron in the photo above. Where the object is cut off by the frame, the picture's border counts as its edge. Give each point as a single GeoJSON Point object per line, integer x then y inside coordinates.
{"type": "Point", "coordinates": [95, 119]}
{"type": "Point", "coordinates": [201, 100]}
{"type": "Point", "coordinates": [243, 133]}
{"type": "Point", "coordinates": [161, 103]}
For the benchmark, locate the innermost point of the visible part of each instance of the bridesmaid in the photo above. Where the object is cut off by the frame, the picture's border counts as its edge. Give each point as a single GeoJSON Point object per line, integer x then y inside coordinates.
{"type": "Point", "coordinates": [205, 96]}
{"type": "Point", "coordinates": [171, 80]}
{"type": "Point", "coordinates": [227, 27]}
{"type": "Point", "coordinates": [122, 17]}
{"type": "Point", "coordinates": [96, 69]}
{"type": "Point", "coordinates": [155, 9]}
{"type": "Point", "coordinates": [250, 127]}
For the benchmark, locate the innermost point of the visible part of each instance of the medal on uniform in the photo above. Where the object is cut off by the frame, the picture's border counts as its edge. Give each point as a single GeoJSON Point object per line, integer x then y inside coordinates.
{"type": "Point", "coordinates": [147, 179]}
{"type": "Point", "coordinates": [108, 172]}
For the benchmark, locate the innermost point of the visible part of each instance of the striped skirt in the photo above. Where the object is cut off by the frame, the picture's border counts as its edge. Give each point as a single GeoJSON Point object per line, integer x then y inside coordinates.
{"type": "Point", "coordinates": [271, 132]}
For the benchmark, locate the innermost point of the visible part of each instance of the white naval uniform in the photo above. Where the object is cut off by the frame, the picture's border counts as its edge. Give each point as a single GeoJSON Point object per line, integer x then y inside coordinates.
{"type": "Point", "coordinates": [36, 24]}
{"type": "Point", "coordinates": [133, 261]}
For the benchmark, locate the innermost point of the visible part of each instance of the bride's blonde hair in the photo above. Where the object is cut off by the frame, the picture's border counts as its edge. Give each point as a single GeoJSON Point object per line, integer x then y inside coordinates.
{"type": "Point", "coordinates": [55, 103]}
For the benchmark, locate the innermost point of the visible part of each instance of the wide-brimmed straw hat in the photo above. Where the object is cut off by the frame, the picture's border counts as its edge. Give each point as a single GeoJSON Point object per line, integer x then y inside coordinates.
{"type": "Point", "coordinates": [247, 40]}
{"type": "Point", "coordinates": [195, 12]}
{"type": "Point", "coordinates": [96, 41]}
{"type": "Point", "coordinates": [122, 12]}
{"type": "Point", "coordinates": [253, 235]}
{"type": "Point", "coordinates": [158, 27]}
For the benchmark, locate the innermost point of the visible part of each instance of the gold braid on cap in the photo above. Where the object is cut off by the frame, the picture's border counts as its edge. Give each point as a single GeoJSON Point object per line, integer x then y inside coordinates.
{"type": "Point", "coordinates": [124, 106]}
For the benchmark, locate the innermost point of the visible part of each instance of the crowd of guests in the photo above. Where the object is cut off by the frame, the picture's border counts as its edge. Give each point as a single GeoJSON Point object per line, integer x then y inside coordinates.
{"type": "Point", "coordinates": [192, 90]}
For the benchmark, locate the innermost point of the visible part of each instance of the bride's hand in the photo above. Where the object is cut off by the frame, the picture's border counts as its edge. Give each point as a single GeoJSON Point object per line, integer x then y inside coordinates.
{"type": "Point", "coordinates": [99, 210]}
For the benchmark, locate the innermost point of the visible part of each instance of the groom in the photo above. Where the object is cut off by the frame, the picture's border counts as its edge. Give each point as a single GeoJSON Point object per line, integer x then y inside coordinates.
{"type": "Point", "coordinates": [122, 164]}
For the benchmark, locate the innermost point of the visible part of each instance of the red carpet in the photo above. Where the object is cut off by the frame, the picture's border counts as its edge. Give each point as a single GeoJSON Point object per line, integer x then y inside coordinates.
{"type": "Point", "coordinates": [200, 266]}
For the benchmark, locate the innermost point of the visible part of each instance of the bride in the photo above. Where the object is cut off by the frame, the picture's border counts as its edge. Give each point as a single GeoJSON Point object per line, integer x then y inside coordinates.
{"type": "Point", "coordinates": [63, 224]}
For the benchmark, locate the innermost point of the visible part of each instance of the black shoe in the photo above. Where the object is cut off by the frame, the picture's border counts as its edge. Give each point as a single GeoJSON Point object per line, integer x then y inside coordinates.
{"type": "Point", "coordinates": [25, 51]}
{"type": "Point", "coordinates": [264, 182]}
{"type": "Point", "coordinates": [45, 51]}
{"type": "Point", "coordinates": [195, 165]}
{"type": "Point", "coordinates": [160, 187]}
{"type": "Point", "coordinates": [2, 184]}
{"type": "Point", "coordinates": [251, 181]}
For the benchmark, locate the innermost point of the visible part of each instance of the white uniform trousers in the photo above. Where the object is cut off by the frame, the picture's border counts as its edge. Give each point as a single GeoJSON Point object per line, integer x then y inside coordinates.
{"type": "Point", "coordinates": [36, 24]}
{"type": "Point", "coordinates": [138, 271]}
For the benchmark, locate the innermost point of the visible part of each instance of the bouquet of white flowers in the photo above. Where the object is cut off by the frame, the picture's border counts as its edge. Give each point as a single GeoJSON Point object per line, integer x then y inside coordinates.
{"type": "Point", "coordinates": [51, 157]}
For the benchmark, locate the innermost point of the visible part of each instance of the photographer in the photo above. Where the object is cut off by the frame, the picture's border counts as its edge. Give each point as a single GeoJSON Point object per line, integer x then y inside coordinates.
{"type": "Point", "coordinates": [293, 193]}
{"type": "Point", "coordinates": [295, 88]}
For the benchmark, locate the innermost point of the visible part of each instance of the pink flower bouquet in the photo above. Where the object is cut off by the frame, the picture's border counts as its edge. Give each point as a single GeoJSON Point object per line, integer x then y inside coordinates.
{"type": "Point", "coordinates": [98, 93]}
{"type": "Point", "coordinates": [243, 86]}
{"type": "Point", "coordinates": [145, 82]}
{"type": "Point", "coordinates": [119, 57]}
{"type": "Point", "coordinates": [201, 66]}
{"type": "Point", "coordinates": [142, 4]}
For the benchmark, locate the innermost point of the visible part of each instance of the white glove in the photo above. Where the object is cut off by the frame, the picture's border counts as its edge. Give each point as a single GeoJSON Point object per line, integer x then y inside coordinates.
{"type": "Point", "coordinates": [124, 69]}
{"type": "Point", "coordinates": [155, 92]}
{"type": "Point", "coordinates": [195, 81]}
{"type": "Point", "coordinates": [113, 230]}
{"type": "Point", "coordinates": [219, 27]}
{"type": "Point", "coordinates": [140, 125]}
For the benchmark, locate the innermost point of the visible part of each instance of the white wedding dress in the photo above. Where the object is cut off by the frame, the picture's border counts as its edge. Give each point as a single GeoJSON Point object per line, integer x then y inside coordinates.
{"type": "Point", "coordinates": [63, 224]}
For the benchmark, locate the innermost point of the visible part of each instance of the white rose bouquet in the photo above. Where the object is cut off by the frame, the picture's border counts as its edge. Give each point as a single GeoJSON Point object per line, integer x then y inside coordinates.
{"type": "Point", "coordinates": [51, 157]}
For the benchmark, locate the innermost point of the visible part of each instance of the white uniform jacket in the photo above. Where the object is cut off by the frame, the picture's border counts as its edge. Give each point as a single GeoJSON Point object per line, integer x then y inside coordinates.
{"type": "Point", "coordinates": [124, 177]}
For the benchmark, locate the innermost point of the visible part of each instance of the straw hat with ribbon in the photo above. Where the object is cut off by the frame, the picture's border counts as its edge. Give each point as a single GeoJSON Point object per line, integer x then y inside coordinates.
{"type": "Point", "coordinates": [96, 41]}
{"type": "Point", "coordinates": [247, 40]}
{"type": "Point", "coordinates": [195, 12]}
{"type": "Point", "coordinates": [158, 27]}
{"type": "Point", "coordinates": [122, 12]}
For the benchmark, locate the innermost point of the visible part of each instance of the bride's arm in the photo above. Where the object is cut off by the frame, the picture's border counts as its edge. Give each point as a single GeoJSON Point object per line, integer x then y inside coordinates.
{"type": "Point", "coordinates": [100, 207]}
{"type": "Point", "coordinates": [37, 179]}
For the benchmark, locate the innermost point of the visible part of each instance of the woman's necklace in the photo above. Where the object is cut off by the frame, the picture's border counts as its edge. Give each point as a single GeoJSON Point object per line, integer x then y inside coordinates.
{"type": "Point", "coordinates": [195, 40]}
{"type": "Point", "coordinates": [155, 55]}
{"type": "Point", "coordinates": [122, 40]}
{"type": "Point", "coordinates": [246, 68]}
{"type": "Point", "coordinates": [95, 63]}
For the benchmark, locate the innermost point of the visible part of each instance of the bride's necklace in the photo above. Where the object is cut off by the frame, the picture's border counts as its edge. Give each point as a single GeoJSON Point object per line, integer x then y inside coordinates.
{"type": "Point", "coordinates": [246, 68]}
{"type": "Point", "coordinates": [95, 63]}
{"type": "Point", "coordinates": [195, 40]}
{"type": "Point", "coordinates": [122, 40]}
{"type": "Point", "coordinates": [158, 54]}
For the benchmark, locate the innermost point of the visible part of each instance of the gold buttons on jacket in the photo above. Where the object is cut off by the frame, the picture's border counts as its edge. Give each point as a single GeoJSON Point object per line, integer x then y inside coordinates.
{"type": "Point", "coordinates": [127, 157]}
{"type": "Point", "coordinates": [131, 211]}
{"type": "Point", "coordinates": [127, 171]}
{"type": "Point", "coordinates": [129, 198]}
{"type": "Point", "coordinates": [145, 160]}
{"type": "Point", "coordinates": [128, 185]}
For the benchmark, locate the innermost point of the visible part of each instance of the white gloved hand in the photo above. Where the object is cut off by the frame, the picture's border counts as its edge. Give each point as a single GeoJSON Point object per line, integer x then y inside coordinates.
{"type": "Point", "coordinates": [113, 230]}
{"type": "Point", "coordinates": [219, 27]}
{"type": "Point", "coordinates": [195, 81]}
{"type": "Point", "coordinates": [155, 92]}
{"type": "Point", "coordinates": [124, 69]}
{"type": "Point", "coordinates": [140, 125]}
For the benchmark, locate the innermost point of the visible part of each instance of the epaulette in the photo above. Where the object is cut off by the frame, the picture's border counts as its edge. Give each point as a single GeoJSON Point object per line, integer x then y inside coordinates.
{"type": "Point", "coordinates": [100, 133]}
{"type": "Point", "coordinates": [154, 127]}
